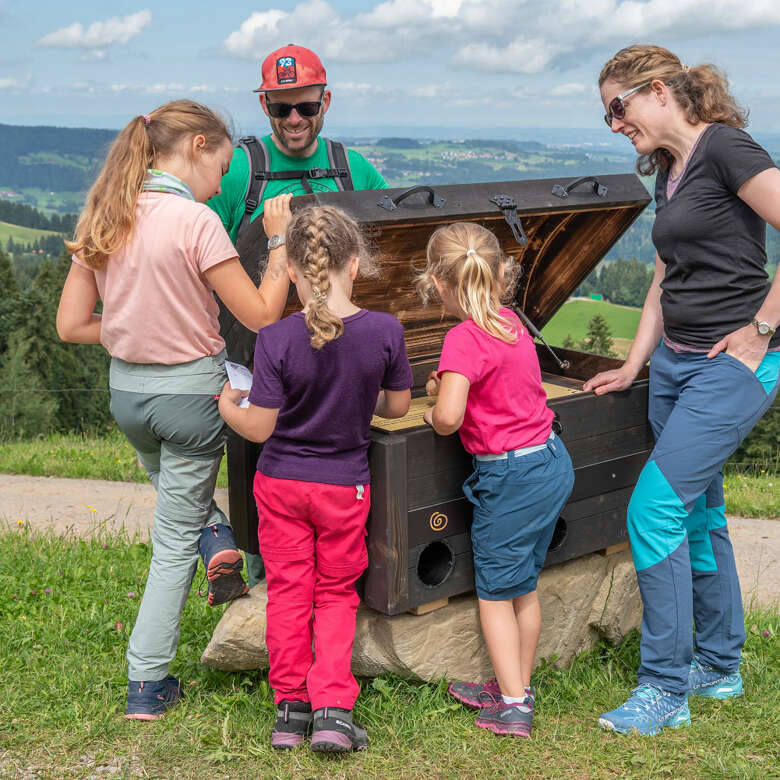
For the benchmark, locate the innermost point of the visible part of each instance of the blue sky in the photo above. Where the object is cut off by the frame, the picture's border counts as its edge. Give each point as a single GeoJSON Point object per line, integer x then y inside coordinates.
{"type": "Point", "coordinates": [470, 64]}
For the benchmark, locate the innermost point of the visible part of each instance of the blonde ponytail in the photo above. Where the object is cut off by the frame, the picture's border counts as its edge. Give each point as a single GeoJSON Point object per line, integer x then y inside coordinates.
{"type": "Point", "coordinates": [468, 259]}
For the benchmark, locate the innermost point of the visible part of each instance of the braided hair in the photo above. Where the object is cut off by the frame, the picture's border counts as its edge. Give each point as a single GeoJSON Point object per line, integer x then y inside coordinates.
{"type": "Point", "coordinates": [321, 240]}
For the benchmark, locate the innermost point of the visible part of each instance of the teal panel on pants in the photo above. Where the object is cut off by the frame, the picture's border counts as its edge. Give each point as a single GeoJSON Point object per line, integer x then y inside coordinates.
{"type": "Point", "coordinates": [769, 371]}
{"type": "Point", "coordinates": [655, 518]}
{"type": "Point", "coordinates": [699, 542]}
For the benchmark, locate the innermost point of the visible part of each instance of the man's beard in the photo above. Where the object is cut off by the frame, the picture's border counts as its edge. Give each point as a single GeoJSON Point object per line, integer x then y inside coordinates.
{"type": "Point", "coordinates": [313, 127]}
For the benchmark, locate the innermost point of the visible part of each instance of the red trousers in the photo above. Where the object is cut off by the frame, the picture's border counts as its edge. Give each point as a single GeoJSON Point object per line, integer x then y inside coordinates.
{"type": "Point", "coordinates": [312, 539]}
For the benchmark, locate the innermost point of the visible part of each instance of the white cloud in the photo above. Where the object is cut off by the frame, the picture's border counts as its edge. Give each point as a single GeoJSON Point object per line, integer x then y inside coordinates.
{"type": "Point", "coordinates": [498, 36]}
{"type": "Point", "coordinates": [99, 34]}
{"type": "Point", "coordinates": [12, 84]}
{"type": "Point", "coordinates": [572, 88]}
{"type": "Point", "coordinates": [163, 88]}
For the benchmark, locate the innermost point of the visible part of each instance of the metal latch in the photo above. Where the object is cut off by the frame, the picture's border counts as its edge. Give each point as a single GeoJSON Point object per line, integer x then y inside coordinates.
{"type": "Point", "coordinates": [563, 192]}
{"type": "Point", "coordinates": [507, 204]}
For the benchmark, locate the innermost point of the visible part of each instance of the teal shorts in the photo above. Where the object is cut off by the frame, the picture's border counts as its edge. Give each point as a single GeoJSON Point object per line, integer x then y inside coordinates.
{"type": "Point", "coordinates": [517, 502]}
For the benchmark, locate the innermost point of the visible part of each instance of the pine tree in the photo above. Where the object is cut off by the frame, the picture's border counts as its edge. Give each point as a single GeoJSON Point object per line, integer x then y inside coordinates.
{"type": "Point", "coordinates": [599, 338]}
{"type": "Point", "coordinates": [24, 411]}
{"type": "Point", "coordinates": [9, 302]}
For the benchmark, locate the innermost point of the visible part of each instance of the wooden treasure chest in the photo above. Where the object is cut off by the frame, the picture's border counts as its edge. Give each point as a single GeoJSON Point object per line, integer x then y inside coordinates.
{"type": "Point", "coordinates": [418, 530]}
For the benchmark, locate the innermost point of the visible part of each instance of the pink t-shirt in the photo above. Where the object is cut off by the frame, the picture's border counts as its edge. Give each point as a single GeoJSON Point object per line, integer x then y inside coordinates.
{"type": "Point", "coordinates": [157, 305]}
{"type": "Point", "coordinates": [506, 406]}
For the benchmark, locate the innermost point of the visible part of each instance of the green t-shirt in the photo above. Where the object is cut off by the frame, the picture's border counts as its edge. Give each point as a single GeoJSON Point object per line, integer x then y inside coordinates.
{"type": "Point", "coordinates": [229, 204]}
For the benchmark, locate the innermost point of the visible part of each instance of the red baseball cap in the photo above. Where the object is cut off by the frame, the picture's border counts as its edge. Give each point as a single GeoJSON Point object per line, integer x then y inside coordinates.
{"type": "Point", "coordinates": [291, 67]}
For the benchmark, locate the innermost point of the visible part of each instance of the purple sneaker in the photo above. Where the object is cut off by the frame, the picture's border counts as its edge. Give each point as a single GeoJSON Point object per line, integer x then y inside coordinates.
{"type": "Point", "coordinates": [513, 719]}
{"type": "Point", "coordinates": [293, 724]}
{"type": "Point", "coordinates": [223, 563]}
{"type": "Point", "coordinates": [334, 731]}
{"type": "Point", "coordinates": [470, 694]}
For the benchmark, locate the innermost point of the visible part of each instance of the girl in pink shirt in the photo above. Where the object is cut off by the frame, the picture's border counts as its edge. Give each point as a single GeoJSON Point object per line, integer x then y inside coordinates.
{"type": "Point", "coordinates": [489, 389]}
{"type": "Point", "coordinates": [155, 254]}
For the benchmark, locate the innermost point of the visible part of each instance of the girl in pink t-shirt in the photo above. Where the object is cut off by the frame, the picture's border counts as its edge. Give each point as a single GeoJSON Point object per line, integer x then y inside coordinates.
{"type": "Point", "coordinates": [489, 388]}
{"type": "Point", "coordinates": [155, 254]}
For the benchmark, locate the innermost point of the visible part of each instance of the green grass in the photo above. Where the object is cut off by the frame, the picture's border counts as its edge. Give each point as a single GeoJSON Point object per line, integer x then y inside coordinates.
{"type": "Point", "coordinates": [572, 319]}
{"type": "Point", "coordinates": [62, 673]}
{"type": "Point", "coordinates": [21, 234]}
{"type": "Point", "coordinates": [77, 456]}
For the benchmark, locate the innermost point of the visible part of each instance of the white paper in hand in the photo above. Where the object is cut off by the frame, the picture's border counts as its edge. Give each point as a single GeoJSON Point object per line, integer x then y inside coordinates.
{"type": "Point", "coordinates": [240, 378]}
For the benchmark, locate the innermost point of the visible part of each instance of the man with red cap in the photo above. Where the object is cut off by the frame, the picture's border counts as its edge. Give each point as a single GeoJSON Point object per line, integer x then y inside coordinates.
{"type": "Point", "coordinates": [293, 157]}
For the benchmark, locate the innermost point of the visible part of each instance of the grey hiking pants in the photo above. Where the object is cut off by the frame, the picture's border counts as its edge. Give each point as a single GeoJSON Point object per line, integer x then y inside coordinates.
{"type": "Point", "coordinates": [169, 415]}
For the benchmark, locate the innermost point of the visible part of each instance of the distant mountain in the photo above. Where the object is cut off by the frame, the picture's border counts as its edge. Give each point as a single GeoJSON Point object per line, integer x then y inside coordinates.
{"type": "Point", "coordinates": [60, 159]}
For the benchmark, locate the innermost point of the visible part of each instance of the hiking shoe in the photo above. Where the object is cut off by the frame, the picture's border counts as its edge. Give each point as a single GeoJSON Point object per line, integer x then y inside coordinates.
{"type": "Point", "coordinates": [150, 700]}
{"type": "Point", "coordinates": [334, 731]}
{"type": "Point", "coordinates": [293, 724]}
{"type": "Point", "coordinates": [707, 681]}
{"type": "Point", "coordinates": [502, 718]}
{"type": "Point", "coordinates": [469, 693]}
{"type": "Point", "coordinates": [648, 710]}
{"type": "Point", "coordinates": [223, 563]}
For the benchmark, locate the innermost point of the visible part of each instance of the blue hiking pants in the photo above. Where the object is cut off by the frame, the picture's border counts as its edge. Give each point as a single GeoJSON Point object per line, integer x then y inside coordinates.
{"type": "Point", "coordinates": [700, 411]}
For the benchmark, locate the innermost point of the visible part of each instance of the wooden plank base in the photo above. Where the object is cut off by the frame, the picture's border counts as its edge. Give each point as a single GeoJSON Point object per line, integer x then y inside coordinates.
{"type": "Point", "coordinates": [616, 548]}
{"type": "Point", "coordinates": [424, 609]}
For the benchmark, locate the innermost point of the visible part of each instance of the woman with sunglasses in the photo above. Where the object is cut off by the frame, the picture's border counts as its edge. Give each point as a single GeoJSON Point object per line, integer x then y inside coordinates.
{"type": "Point", "coordinates": [708, 328]}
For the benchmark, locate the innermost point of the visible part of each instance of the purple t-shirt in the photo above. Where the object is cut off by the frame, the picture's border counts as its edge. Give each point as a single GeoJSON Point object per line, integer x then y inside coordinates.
{"type": "Point", "coordinates": [325, 397]}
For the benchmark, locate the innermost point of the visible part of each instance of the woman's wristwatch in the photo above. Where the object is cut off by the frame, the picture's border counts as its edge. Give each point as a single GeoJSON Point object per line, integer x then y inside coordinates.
{"type": "Point", "coordinates": [763, 328]}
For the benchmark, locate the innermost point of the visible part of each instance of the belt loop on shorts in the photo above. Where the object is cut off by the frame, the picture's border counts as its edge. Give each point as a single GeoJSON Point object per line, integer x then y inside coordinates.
{"type": "Point", "coordinates": [518, 453]}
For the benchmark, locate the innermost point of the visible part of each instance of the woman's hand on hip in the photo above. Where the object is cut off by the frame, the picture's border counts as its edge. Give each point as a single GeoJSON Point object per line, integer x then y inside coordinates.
{"type": "Point", "coordinates": [277, 215]}
{"type": "Point", "coordinates": [744, 344]}
{"type": "Point", "coordinates": [610, 381]}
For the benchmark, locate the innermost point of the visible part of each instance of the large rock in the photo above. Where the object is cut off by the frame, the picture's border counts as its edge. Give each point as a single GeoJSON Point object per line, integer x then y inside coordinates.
{"type": "Point", "coordinates": [582, 600]}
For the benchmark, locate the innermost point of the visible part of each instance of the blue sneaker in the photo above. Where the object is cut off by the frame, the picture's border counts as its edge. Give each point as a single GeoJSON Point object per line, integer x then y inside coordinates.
{"type": "Point", "coordinates": [223, 563]}
{"type": "Point", "coordinates": [707, 681]}
{"type": "Point", "coordinates": [150, 700]}
{"type": "Point", "coordinates": [647, 711]}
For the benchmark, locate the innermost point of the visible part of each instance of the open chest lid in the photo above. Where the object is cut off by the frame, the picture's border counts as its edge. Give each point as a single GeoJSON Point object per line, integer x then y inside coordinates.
{"type": "Point", "coordinates": [567, 235]}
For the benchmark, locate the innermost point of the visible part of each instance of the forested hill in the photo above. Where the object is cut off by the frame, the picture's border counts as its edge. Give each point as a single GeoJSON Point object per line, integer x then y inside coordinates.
{"type": "Point", "coordinates": [61, 159]}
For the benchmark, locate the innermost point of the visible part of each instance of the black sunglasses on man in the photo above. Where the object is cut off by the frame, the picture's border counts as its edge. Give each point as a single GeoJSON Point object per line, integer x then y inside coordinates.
{"type": "Point", "coordinates": [307, 108]}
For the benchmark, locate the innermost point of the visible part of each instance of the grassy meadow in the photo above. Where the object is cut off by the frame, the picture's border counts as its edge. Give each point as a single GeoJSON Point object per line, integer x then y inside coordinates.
{"type": "Point", "coordinates": [21, 235]}
{"type": "Point", "coordinates": [573, 317]}
{"type": "Point", "coordinates": [69, 604]}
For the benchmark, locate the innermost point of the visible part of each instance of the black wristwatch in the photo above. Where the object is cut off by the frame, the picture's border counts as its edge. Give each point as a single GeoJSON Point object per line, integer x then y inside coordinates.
{"type": "Point", "coordinates": [763, 328]}
{"type": "Point", "coordinates": [275, 241]}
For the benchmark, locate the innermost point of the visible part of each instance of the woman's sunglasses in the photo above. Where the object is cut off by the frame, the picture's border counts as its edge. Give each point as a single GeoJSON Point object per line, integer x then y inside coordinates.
{"type": "Point", "coordinates": [617, 108]}
{"type": "Point", "coordinates": [308, 108]}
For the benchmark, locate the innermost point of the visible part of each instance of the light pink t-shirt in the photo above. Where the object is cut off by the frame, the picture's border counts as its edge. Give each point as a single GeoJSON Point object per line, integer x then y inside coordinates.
{"type": "Point", "coordinates": [157, 305]}
{"type": "Point", "coordinates": [506, 407]}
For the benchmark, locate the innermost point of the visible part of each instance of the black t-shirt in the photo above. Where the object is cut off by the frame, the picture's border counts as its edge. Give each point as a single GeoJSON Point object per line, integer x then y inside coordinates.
{"type": "Point", "coordinates": [713, 243]}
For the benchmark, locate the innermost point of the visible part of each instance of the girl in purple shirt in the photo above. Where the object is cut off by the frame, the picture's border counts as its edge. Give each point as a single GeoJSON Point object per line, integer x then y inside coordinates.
{"type": "Point", "coordinates": [319, 376]}
{"type": "Point", "coordinates": [490, 390]}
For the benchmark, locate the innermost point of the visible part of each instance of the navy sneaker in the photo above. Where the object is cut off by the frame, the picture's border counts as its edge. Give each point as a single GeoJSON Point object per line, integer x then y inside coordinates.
{"type": "Point", "coordinates": [150, 700]}
{"type": "Point", "coordinates": [334, 731]}
{"type": "Point", "coordinates": [513, 719]}
{"type": "Point", "coordinates": [707, 681]}
{"type": "Point", "coordinates": [223, 563]}
{"type": "Point", "coordinates": [293, 724]}
{"type": "Point", "coordinates": [470, 694]}
{"type": "Point", "coordinates": [648, 710]}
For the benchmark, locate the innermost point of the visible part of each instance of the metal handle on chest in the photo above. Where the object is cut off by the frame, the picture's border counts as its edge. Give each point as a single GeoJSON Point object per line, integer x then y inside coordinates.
{"type": "Point", "coordinates": [391, 204]}
{"type": "Point", "coordinates": [563, 192]}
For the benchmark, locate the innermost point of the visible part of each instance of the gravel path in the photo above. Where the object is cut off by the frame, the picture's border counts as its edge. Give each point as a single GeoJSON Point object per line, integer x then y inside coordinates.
{"type": "Point", "coordinates": [84, 506]}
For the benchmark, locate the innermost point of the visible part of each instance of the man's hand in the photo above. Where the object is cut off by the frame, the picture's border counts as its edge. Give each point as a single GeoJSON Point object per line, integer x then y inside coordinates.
{"type": "Point", "coordinates": [745, 344]}
{"type": "Point", "coordinates": [277, 215]}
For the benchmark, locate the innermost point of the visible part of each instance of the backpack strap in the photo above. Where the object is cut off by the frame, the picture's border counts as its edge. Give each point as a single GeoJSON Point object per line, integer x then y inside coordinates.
{"type": "Point", "coordinates": [257, 157]}
{"type": "Point", "coordinates": [339, 159]}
